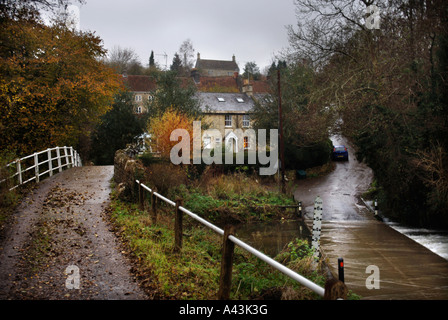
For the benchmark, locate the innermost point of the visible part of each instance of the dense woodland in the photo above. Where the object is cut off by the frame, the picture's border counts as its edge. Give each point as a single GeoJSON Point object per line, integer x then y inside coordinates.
{"type": "Point", "coordinates": [388, 88]}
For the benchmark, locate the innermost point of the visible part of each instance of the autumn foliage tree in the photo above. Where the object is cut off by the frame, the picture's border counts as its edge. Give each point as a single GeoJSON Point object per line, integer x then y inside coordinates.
{"type": "Point", "coordinates": [53, 87]}
{"type": "Point", "coordinates": [161, 128]}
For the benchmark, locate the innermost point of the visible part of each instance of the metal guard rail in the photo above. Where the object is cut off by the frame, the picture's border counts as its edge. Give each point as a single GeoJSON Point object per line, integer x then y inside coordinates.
{"type": "Point", "coordinates": [285, 270]}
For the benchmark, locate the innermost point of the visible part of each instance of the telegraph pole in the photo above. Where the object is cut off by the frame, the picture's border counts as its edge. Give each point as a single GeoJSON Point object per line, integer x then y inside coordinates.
{"type": "Point", "coordinates": [280, 124]}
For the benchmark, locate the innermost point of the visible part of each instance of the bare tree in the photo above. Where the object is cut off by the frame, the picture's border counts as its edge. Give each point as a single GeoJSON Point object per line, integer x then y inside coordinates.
{"type": "Point", "coordinates": [124, 60]}
{"type": "Point", "coordinates": [324, 27]}
{"type": "Point", "coordinates": [186, 54]}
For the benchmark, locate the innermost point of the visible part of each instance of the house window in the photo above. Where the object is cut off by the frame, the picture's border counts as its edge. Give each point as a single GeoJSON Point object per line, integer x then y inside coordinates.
{"type": "Point", "coordinates": [228, 120]}
{"type": "Point", "coordinates": [246, 143]}
{"type": "Point", "coordinates": [246, 120]}
{"type": "Point", "coordinates": [217, 140]}
{"type": "Point", "coordinates": [207, 143]}
{"type": "Point", "coordinates": [139, 110]}
{"type": "Point", "coordinates": [138, 97]}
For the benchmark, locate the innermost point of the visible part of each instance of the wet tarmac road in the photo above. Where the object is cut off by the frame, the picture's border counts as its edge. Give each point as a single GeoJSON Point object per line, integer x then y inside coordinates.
{"type": "Point", "coordinates": [404, 268]}
{"type": "Point", "coordinates": [338, 190]}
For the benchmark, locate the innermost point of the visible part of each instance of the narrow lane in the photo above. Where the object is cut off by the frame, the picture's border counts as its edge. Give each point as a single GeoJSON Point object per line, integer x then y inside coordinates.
{"type": "Point", "coordinates": [60, 234]}
{"type": "Point", "coordinates": [406, 269]}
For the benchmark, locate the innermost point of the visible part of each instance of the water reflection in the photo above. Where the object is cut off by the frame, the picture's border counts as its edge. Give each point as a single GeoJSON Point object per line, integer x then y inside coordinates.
{"type": "Point", "coordinates": [271, 237]}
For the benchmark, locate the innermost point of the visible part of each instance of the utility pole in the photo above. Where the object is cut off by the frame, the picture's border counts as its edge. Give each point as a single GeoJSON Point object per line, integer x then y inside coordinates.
{"type": "Point", "coordinates": [280, 124]}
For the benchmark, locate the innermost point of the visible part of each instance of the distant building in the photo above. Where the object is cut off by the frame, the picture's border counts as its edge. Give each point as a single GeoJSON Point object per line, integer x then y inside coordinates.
{"type": "Point", "coordinates": [217, 68]}
{"type": "Point", "coordinates": [141, 88]}
{"type": "Point", "coordinates": [225, 98]}
{"type": "Point", "coordinates": [227, 112]}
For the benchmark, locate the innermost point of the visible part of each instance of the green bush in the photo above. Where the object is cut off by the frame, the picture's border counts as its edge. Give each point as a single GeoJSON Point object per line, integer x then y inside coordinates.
{"type": "Point", "coordinates": [308, 157]}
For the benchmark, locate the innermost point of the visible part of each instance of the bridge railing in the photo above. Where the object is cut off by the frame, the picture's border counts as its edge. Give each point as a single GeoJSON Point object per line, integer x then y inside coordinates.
{"type": "Point", "coordinates": [40, 164]}
{"type": "Point", "coordinates": [224, 290]}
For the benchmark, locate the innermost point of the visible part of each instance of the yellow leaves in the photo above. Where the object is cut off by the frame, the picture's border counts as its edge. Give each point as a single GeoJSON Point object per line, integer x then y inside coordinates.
{"type": "Point", "coordinates": [160, 130]}
{"type": "Point", "coordinates": [52, 86]}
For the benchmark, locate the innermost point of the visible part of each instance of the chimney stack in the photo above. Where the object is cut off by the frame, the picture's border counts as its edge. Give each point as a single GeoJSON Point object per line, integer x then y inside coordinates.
{"type": "Point", "coordinates": [199, 56]}
{"type": "Point", "coordinates": [248, 88]}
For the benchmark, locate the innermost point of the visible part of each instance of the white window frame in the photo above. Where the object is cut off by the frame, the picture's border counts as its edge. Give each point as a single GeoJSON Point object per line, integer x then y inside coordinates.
{"type": "Point", "coordinates": [138, 97]}
{"type": "Point", "coordinates": [228, 121]}
{"type": "Point", "coordinates": [246, 121]}
{"type": "Point", "coordinates": [207, 142]}
{"type": "Point", "coordinates": [139, 110]}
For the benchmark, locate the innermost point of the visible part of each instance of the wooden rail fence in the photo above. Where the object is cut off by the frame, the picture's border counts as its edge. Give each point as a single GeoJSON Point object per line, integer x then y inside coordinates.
{"type": "Point", "coordinates": [229, 242]}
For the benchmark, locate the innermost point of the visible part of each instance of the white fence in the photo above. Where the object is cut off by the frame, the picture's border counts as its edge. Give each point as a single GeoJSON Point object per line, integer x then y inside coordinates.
{"type": "Point", "coordinates": [39, 164]}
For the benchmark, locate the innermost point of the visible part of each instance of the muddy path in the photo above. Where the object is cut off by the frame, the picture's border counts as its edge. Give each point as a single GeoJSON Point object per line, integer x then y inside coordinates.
{"type": "Point", "coordinates": [60, 246]}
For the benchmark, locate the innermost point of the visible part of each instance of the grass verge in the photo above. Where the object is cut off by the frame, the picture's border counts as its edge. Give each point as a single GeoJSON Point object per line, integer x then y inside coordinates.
{"type": "Point", "coordinates": [194, 272]}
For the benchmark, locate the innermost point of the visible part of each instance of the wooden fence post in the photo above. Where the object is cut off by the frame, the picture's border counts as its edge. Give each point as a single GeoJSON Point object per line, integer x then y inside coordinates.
{"type": "Point", "coordinates": [153, 207]}
{"type": "Point", "coordinates": [141, 205]}
{"type": "Point", "coordinates": [225, 279]}
{"type": "Point", "coordinates": [178, 227]}
{"type": "Point", "coordinates": [19, 171]}
{"type": "Point", "coordinates": [36, 166]}
{"type": "Point", "coordinates": [50, 162]}
{"type": "Point", "coordinates": [58, 154]}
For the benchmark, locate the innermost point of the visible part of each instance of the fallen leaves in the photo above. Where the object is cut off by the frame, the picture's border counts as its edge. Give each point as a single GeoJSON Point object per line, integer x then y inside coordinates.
{"type": "Point", "coordinates": [70, 230]}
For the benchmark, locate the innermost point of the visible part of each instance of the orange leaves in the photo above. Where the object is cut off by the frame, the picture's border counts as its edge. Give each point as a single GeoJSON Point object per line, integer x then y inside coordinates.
{"type": "Point", "coordinates": [53, 88]}
{"type": "Point", "coordinates": [160, 130]}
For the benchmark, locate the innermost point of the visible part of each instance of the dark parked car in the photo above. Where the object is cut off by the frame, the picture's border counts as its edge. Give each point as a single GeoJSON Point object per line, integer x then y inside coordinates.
{"type": "Point", "coordinates": [339, 153]}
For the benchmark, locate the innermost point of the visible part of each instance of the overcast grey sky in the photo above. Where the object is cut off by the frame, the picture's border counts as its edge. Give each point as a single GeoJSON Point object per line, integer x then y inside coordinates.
{"type": "Point", "coordinates": [253, 30]}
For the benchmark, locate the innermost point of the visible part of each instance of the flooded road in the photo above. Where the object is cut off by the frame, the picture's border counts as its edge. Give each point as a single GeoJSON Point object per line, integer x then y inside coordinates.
{"type": "Point", "coordinates": [404, 268]}
{"type": "Point", "coordinates": [272, 237]}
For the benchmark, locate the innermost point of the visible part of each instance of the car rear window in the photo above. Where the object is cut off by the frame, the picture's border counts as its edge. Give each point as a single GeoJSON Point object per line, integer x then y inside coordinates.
{"type": "Point", "coordinates": [339, 149]}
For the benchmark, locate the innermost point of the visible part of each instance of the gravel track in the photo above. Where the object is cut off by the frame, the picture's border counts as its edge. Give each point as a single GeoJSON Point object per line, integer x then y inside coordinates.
{"type": "Point", "coordinates": [60, 231]}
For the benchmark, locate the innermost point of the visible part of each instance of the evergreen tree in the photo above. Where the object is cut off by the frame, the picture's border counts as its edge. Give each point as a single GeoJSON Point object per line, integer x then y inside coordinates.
{"type": "Point", "coordinates": [118, 128]}
{"type": "Point", "coordinates": [171, 94]}
{"type": "Point", "coordinates": [176, 66]}
{"type": "Point", "coordinates": [151, 60]}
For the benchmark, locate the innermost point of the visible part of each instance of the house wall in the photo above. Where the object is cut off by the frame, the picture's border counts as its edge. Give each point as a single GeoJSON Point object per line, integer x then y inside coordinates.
{"type": "Point", "coordinates": [145, 96]}
{"type": "Point", "coordinates": [217, 121]}
{"type": "Point", "coordinates": [217, 73]}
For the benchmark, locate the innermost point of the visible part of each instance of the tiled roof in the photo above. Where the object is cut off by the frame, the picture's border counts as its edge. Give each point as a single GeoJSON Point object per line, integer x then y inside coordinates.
{"type": "Point", "coordinates": [260, 86]}
{"type": "Point", "coordinates": [227, 102]}
{"type": "Point", "coordinates": [137, 83]}
{"type": "Point", "coordinates": [217, 65]}
{"type": "Point", "coordinates": [221, 84]}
